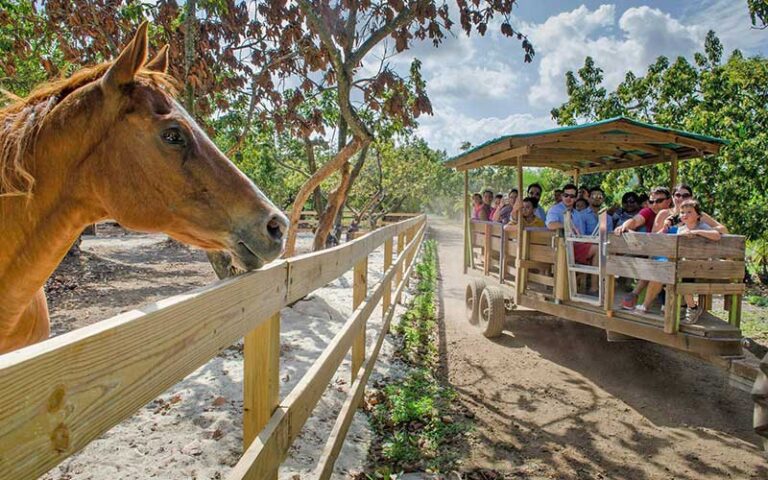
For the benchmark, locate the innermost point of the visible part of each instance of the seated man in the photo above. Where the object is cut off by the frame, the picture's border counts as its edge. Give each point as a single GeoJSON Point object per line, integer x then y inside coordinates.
{"type": "Point", "coordinates": [556, 214]}
{"type": "Point", "coordinates": [534, 191]}
{"type": "Point", "coordinates": [586, 222]}
{"type": "Point", "coordinates": [630, 206]}
{"type": "Point", "coordinates": [659, 200]}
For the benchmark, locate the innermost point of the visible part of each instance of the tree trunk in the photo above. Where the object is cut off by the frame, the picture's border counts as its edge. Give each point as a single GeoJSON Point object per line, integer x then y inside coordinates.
{"type": "Point", "coordinates": [337, 200]}
{"type": "Point", "coordinates": [190, 28]}
{"type": "Point", "coordinates": [317, 194]}
{"type": "Point", "coordinates": [306, 190]}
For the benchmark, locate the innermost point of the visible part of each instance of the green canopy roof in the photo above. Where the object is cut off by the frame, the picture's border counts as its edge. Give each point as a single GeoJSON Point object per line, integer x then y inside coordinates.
{"type": "Point", "coordinates": [610, 144]}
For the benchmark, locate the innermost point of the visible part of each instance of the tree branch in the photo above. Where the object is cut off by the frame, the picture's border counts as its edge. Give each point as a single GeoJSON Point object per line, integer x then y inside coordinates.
{"type": "Point", "coordinates": [402, 18]}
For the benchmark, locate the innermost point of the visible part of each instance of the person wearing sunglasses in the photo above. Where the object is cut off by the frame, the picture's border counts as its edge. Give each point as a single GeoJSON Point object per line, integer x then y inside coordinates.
{"type": "Point", "coordinates": [534, 193]}
{"type": "Point", "coordinates": [556, 215]}
{"type": "Point", "coordinates": [630, 206]}
{"type": "Point", "coordinates": [658, 201]}
{"type": "Point", "coordinates": [668, 219]}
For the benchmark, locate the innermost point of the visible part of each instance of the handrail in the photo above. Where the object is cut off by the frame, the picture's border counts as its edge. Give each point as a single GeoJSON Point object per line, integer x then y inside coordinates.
{"type": "Point", "coordinates": [60, 394]}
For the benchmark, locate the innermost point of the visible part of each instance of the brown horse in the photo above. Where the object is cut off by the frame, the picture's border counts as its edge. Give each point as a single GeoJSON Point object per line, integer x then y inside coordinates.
{"type": "Point", "coordinates": [111, 142]}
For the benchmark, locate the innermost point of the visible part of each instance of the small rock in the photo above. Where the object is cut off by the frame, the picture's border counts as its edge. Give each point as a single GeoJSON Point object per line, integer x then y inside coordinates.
{"type": "Point", "coordinates": [447, 419]}
{"type": "Point", "coordinates": [192, 449]}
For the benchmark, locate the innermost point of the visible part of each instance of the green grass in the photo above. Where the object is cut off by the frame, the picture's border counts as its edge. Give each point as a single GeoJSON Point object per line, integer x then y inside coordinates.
{"type": "Point", "coordinates": [415, 421]}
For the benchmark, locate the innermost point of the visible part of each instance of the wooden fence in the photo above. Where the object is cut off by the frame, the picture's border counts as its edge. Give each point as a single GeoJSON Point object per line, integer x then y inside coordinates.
{"type": "Point", "coordinates": [59, 395]}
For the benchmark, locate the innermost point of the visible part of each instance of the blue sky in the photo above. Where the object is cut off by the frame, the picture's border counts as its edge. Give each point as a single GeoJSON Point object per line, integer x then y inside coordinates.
{"type": "Point", "coordinates": [480, 88]}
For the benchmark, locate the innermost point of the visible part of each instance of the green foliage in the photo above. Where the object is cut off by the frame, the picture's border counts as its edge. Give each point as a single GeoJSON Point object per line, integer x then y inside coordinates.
{"type": "Point", "coordinates": [758, 12]}
{"type": "Point", "coordinates": [727, 100]}
{"type": "Point", "coordinates": [412, 418]}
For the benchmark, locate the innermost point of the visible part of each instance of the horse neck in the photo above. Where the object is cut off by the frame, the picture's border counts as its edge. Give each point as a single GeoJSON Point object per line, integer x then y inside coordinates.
{"type": "Point", "coordinates": [38, 231]}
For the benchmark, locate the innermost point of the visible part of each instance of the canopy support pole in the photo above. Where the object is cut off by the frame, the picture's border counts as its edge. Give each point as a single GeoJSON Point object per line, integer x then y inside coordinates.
{"type": "Point", "coordinates": [519, 281]}
{"type": "Point", "coordinates": [576, 178]}
{"type": "Point", "coordinates": [672, 172]}
{"type": "Point", "coordinates": [467, 246]}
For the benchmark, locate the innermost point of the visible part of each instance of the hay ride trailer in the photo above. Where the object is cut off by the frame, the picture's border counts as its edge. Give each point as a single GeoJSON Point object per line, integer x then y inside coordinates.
{"type": "Point", "coordinates": [518, 270]}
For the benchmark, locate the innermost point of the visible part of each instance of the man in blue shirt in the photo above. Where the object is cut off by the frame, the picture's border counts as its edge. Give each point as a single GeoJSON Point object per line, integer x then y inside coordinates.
{"type": "Point", "coordinates": [556, 215]}
{"type": "Point", "coordinates": [587, 220]}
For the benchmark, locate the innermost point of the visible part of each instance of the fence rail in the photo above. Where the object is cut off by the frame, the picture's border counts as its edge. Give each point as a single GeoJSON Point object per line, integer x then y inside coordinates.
{"type": "Point", "coordinates": [59, 395]}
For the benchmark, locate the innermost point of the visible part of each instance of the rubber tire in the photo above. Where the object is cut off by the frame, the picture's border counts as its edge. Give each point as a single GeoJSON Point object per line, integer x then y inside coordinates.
{"type": "Point", "coordinates": [472, 300]}
{"type": "Point", "coordinates": [760, 397]}
{"type": "Point", "coordinates": [492, 311]}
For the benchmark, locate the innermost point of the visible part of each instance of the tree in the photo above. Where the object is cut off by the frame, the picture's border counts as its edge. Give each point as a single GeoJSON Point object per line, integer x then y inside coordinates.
{"type": "Point", "coordinates": [323, 46]}
{"type": "Point", "coordinates": [758, 12]}
{"type": "Point", "coordinates": [727, 100]}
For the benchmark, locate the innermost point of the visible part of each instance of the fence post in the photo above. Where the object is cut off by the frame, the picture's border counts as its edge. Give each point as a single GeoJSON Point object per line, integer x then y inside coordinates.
{"type": "Point", "coordinates": [387, 295]}
{"type": "Point", "coordinates": [359, 292]}
{"type": "Point", "coordinates": [399, 272]}
{"type": "Point", "coordinates": [261, 387]}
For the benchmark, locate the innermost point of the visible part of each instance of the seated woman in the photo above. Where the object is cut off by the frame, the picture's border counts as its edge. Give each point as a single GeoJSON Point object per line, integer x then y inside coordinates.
{"type": "Point", "coordinates": [670, 217]}
{"type": "Point", "coordinates": [477, 202]}
{"type": "Point", "coordinates": [691, 224]}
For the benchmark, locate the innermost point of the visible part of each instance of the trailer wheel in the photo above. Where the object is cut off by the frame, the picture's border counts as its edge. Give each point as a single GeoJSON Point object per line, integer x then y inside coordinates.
{"type": "Point", "coordinates": [492, 311]}
{"type": "Point", "coordinates": [472, 299]}
{"type": "Point", "coordinates": [760, 397]}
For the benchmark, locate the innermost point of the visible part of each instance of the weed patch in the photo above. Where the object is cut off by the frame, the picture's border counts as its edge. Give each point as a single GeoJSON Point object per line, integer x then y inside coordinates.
{"type": "Point", "coordinates": [414, 418]}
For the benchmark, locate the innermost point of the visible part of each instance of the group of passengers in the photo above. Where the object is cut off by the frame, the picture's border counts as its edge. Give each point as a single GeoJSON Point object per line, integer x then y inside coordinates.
{"type": "Point", "coordinates": [660, 212]}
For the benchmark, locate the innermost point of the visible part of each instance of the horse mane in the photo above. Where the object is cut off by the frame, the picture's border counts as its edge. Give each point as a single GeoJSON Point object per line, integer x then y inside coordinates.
{"type": "Point", "coordinates": [21, 120]}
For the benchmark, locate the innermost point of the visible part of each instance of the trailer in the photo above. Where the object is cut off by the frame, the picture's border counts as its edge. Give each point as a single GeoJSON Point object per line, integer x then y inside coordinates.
{"type": "Point", "coordinates": [517, 270]}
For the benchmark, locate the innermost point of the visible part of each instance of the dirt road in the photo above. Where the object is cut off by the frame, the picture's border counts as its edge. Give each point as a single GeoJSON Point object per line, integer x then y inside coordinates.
{"type": "Point", "coordinates": [553, 399]}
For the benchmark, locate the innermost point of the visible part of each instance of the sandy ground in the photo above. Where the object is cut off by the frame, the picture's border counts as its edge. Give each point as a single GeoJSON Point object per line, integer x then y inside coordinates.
{"type": "Point", "coordinates": [194, 430]}
{"type": "Point", "coordinates": [553, 399]}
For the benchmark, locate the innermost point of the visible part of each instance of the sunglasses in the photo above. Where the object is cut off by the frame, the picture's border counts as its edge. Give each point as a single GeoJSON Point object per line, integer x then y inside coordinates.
{"type": "Point", "coordinates": [683, 195]}
{"type": "Point", "coordinates": [658, 200]}
{"type": "Point", "coordinates": [569, 195]}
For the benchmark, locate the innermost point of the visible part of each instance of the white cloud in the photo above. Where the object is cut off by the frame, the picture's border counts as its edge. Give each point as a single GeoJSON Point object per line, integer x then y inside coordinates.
{"type": "Point", "coordinates": [564, 40]}
{"type": "Point", "coordinates": [730, 20]}
{"type": "Point", "coordinates": [449, 127]}
{"type": "Point", "coordinates": [468, 82]}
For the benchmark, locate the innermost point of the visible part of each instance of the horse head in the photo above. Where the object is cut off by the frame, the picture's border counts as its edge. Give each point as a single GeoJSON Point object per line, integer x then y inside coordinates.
{"type": "Point", "coordinates": [155, 169]}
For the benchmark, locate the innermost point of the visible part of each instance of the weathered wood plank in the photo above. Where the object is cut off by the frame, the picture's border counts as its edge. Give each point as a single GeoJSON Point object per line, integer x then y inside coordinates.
{"type": "Point", "coordinates": [541, 253]}
{"type": "Point", "coordinates": [646, 244]}
{"type": "Point", "coordinates": [641, 268]}
{"type": "Point", "coordinates": [729, 246]}
{"type": "Point", "coordinates": [540, 237]}
{"type": "Point", "coordinates": [711, 288]}
{"type": "Point", "coordinates": [670, 312]}
{"type": "Point", "coordinates": [710, 269]}
{"type": "Point", "coordinates": [542, 279]}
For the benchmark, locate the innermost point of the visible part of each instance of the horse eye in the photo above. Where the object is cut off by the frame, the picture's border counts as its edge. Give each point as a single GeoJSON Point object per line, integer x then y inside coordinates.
{"type": "Point", "coordinates": [173, 136]}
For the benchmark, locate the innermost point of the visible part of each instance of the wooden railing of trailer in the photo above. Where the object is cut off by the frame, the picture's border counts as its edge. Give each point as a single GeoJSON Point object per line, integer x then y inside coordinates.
{"type": "Point", "coordinates": [684, 265]}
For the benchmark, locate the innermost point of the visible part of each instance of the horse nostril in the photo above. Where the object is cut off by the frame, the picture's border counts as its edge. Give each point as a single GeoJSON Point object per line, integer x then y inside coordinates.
{"type": "Point", "coordinates": [275, 228]}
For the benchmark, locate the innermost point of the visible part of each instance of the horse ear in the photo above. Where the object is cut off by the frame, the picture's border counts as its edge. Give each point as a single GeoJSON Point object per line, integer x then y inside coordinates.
{"type": "Point", "coordinates": [129, 61]}
{"type": "Point", "coordinates": [160, 62]}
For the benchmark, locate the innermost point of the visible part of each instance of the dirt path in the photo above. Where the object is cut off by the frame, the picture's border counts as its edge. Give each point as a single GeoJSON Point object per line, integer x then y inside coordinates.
{"type": "Point", "coordinates": [553, 399]}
